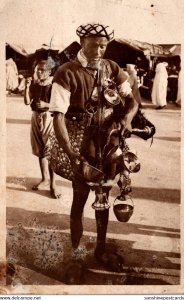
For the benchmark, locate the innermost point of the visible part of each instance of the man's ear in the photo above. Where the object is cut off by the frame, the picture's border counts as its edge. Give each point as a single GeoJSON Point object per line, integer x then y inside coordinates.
{"type": "Point", "coordinates": [81, 41]}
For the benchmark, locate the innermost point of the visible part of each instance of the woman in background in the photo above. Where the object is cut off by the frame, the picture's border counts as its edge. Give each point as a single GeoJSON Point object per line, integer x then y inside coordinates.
{"type": "Point", "coordinates": [159, 90]}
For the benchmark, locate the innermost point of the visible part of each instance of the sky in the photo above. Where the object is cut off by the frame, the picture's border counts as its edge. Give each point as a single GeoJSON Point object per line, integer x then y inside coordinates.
{"type": "Point", "coordinates": [34, 22]}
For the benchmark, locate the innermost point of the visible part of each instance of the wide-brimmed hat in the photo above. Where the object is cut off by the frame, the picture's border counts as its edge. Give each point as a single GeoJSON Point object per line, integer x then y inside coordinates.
{"type": "Point", "coordinates": [92, 29]}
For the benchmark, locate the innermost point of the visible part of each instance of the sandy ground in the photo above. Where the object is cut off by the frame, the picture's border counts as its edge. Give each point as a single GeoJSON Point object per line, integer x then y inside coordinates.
{"type": "Point", "coordinates": [38, 239]}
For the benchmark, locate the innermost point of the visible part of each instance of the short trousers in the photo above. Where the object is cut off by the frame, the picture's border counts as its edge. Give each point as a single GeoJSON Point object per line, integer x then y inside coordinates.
{"type": "Point", "coordinates": [41, 128]}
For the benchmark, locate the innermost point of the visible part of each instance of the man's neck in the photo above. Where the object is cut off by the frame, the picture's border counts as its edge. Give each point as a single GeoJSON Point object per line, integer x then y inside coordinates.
{"type": "Point", "coordinates": [86, 63]}
{"type": "Point", "coordinates": [46, 81]}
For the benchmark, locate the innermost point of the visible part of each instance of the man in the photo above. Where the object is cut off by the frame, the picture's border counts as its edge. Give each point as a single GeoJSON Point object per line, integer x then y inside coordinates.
{"type": "Point", "coordinates": [78, 87]}
{"type": "Point", "coordinates": [37, 95]}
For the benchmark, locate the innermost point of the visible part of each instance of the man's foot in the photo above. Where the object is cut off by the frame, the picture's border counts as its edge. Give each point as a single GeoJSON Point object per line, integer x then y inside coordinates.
{"type": "Point", "coordinates": [112, 261]}
{"type": "Point", "coordinates": [55, 193]}
{"type": "Point", "coordinates": [42, 185]}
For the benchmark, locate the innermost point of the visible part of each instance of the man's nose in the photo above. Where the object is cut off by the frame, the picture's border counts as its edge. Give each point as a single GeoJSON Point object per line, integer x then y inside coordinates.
{"type": "Point", "coordinates": [97, 51]}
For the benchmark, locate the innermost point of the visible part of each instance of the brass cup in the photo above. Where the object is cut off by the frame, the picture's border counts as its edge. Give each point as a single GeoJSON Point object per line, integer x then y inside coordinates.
{"type": "Point", "coordinates": [131, 162]}
{"type": "Point", "coordinates": [115, 154]}
{"type": "Point", "coordinates": [101, 202]}
{"type": "Point", "coordinates": [91, 174]}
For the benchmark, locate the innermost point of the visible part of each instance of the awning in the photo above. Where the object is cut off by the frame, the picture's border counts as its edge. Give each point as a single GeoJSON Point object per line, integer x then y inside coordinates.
{"type": "Point", "coordinates": [175, 50]}
{"type": "Point", "coordinates": [146, 48]}
{"type": "Point", "coordinates": [18, 48]}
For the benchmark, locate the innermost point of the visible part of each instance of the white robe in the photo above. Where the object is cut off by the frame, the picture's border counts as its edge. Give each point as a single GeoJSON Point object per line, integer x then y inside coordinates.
{"type": "Point", "coordinates": [159, 90]}
{"type": "Point", "coordinates": [178, 99]}
{"type": "Point", "coordinates": [11, 75]}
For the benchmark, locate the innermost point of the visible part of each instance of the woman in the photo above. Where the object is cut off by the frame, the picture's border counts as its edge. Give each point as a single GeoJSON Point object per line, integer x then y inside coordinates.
{"type": "Point", "coordinates": [159, 90]}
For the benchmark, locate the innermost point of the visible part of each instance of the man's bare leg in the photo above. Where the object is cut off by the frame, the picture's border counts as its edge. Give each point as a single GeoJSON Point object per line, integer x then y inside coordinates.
{"type": "Point", "coordinates": [111, 260]}
{"type": "Point", "coordinates": [55, 193]}
{"type": "Point", "coordinates": [44, 172]}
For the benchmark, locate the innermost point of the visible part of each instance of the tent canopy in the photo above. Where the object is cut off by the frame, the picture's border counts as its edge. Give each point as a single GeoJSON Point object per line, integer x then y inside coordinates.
{"type": "Point", "coordinates": [174, 50]}
{"type": "Point", "coordinates": [121, 50]}
{"type": "Point", "coordinates": [18, 49]}
{"type": "Point", "coordinates": [147, 48]}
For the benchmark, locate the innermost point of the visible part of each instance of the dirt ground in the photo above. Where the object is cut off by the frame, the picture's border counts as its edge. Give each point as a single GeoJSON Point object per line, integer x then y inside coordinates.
{"type": "Point", "coordinates": [38, 236]}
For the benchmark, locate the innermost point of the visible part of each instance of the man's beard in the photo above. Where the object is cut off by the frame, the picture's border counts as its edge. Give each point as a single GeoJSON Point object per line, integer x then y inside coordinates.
{"type": "Point", "coordinates": [94, 63]}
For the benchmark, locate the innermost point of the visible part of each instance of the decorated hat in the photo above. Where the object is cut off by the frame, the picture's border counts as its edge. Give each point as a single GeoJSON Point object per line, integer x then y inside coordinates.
{"type": "Point", "coordinates": [95, 30]}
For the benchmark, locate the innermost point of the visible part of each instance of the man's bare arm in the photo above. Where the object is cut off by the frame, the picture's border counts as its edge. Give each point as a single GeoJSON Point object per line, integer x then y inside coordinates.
{"type": "Point", "coordinates": [27, 94]}
{"type": "Point", "coordinates": [63, 138]}
{"type": "Point", "coordinates": [130, 109]}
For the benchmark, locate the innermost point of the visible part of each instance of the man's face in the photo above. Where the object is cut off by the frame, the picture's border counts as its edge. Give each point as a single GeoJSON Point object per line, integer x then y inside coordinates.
{"type": "Point", "coordinates": [43, 72]}
{"type": "Point", "coordinates": [94, 47]}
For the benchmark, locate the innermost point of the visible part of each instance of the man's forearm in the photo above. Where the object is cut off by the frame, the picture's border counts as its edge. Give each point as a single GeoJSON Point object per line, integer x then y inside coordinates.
{"type": "Point", "coordinates": [61, 132]}
{"type": "Point", "coordinates": [130, 109]}
{"type": "Point", "coordinates": [27, 99]}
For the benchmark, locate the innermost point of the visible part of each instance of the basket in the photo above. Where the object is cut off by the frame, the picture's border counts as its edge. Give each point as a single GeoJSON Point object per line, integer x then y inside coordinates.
{"type": "Point", "coordinates": [58, 159]}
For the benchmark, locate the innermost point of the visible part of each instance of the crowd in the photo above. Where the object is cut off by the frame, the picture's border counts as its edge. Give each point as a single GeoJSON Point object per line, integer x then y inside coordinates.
{"type": "Point", "coordinates": [81, 119]}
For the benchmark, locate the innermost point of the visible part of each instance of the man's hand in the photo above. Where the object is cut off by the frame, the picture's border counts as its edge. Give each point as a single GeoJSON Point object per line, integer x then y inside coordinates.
{"type": "Point", "coordinates": [125, 125]}
{"type": "Point", "coordinates": [28, 82]}
{"type": "Point", "coordinates": [125, 130]}
{"type": "Point", "coordinates": [42, 104]}
{"type": "Point", "coordinates": [75, 159]}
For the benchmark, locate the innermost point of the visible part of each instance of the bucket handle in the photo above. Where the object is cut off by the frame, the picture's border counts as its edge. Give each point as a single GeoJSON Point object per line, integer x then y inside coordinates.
{"type": "Point", "coordinates": [124, 201]}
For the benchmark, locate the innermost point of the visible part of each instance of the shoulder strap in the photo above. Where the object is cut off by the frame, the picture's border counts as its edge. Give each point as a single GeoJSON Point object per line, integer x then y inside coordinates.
{"type": "Point", "coordinates": [106, 68]}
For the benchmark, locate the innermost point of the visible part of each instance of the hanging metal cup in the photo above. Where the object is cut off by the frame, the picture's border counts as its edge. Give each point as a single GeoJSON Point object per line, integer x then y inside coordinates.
{"type": "Point", "coordinates": [101, 202]}
{"type": "Point", "coordinates": [115, 154]}
{"type": "Point", "coordinates": [112, 96]}
{"type": "Point", "coordinates": [131, 162]}
{"type": "Point", "coordinates": [91, 174]}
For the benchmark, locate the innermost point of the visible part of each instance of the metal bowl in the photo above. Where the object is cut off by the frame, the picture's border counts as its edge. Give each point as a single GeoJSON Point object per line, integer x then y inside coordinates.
{"type": "Point", "coordinates": [115, 154]}
{"type": "Point", "coordinates": [131, 162]}
{"type": "Point", "coordinates": [112, 97]}
{"type": "Point", "coordinates": [91, 173]}
{"type": "Point", "coordinates": [123, 212]}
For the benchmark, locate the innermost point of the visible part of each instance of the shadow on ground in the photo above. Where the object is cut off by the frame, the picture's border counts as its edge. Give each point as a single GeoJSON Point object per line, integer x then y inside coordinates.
{"type": "Point", "coordinates": [149, 105]}
{"type": "Point", "coordinates": [25, 184]}
{"type": "Point", "coordinates": [165, 138]}
{"type": "Point", "coordinates": [156, 194]}
{"type": "Point", "coordinates": [18, 121]}
{"type": "Point", "coordinates": [35, 242]}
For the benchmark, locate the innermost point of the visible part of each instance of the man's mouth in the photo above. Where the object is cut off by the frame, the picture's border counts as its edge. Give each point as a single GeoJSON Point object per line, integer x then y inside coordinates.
{"type": "Point", "coordinates": [95, 59]}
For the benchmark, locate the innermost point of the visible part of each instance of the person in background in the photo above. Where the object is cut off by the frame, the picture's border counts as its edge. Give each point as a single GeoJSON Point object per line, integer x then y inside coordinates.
{"type": "Point", "coordinates": [37, 95]}
{"type": "Point", "coordinates": [178, 99]}
{"type": "Point", "coordinates": [132, 79]}
{"type": "Point", "coordinates": [75, 89]}
{"type": "Point", "coordinates": [159, 89]}
{"type": "Point", "coordinates": [172, 83]}
{"type": "Point", "coordinates": [11, 76]}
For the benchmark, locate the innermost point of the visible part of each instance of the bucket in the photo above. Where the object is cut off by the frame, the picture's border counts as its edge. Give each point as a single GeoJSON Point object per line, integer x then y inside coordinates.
{"type": "Point", "coordinates": [123, 211]}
